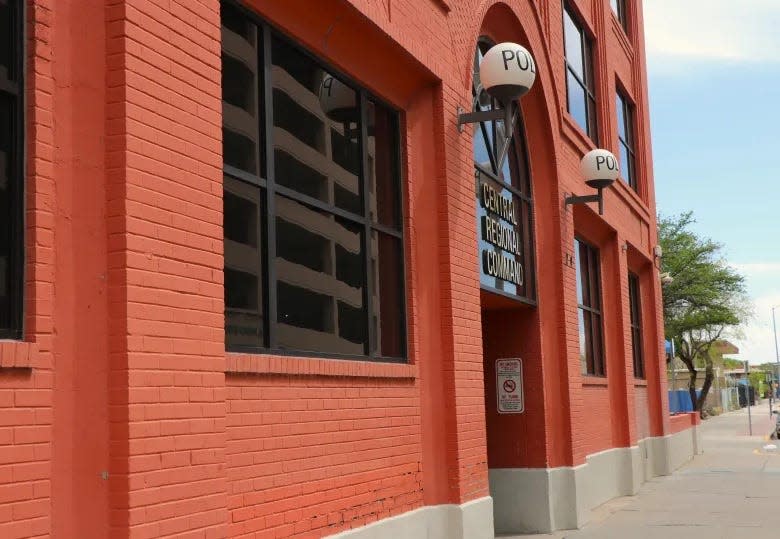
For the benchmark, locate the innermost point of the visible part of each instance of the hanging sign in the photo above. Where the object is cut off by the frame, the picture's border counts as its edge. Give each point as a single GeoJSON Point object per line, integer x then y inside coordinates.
{"type": "Point", "coordinates": [509, 386]}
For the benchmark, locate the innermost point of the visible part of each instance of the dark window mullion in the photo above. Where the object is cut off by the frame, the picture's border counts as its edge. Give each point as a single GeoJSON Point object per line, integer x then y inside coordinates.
{"type": "Point", "coordinates": [319, 204]}
{"type": "Point", "coordinates": [594, 260]}
{"type": "Point", "coordinates": [267, 119]}
{"type": "Point", "coordinates": [238, 174]}
{"type": "Point", "coordinates": [368, 283]}
{"type": "Point", "coordinates": [387, 230]}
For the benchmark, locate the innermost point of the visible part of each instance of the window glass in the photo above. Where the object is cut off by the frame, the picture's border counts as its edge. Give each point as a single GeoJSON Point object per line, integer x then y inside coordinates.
{"type": "Point", "coordinates": [625, 167]}
{"type": "Point", "coordinates": [589, 309]}
{"type": "Point", "coordinates": [317, 130]}
{"type": "Point", "coordinates": [11, 171]}
{"type": "Point", "coordinates": [503, 198]}
{"type": "Point", "coordinates": [384, 206]}
{"type": "Point", "coordinates": [621, 119]}
{"type": "Point", "coordinates": [311, 265]}
{"type": "Point", "coordinates": [636, 325]}
{"type": "Point", "coordinates": [7, 45]}
{"type": "Point", "coordinates": [388, 300]}
{"type": "Point", "coordinates": [7, 228]}
{"type": "Point", "coordinates": [481, 150]}
{"type": "Point", "coordinates": [619, 8]}
{"type": "Point", "coordinates": [244, 277]}
{"type": "Point", "coordinates": [580, 85]}
{"type": "Point", "coordinates": [573, 37]}
{"type": "Point", "coordinates": [241, 135]}
{"type": "Point", "coordinates": [584, 345]}
{"type": "Point", "coordinates": [577, 103]}
{"type": "Point", "coordinates": [321, 280]}
{"type": "Point", "coordinates": [625, 118]}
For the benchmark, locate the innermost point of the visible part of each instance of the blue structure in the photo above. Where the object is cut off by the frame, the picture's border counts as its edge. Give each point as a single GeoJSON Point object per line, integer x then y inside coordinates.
{"type": "Point", "coordinates": [680, 401]}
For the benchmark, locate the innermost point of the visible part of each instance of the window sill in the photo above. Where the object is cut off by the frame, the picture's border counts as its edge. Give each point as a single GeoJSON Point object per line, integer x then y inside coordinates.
{"type": "Point", "coordinates": [622, 37]}
{"type": "Point", "coordinates": [17, 354]}
{"type": "Point", "coordinates": [631, 197]}
{"type": "Point", "coordinates": [308, 366]}
{"type": "Point", "coordinates": [640, 382]}
{"type": "Point", "coordinates": [594, 381]}
{"type": "Point", "coordinates": [574, 133]}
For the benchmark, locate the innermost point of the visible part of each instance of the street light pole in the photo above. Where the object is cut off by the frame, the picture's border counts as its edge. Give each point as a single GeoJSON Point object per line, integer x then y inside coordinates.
{"type": "Point", "coordinates": [777, 355]}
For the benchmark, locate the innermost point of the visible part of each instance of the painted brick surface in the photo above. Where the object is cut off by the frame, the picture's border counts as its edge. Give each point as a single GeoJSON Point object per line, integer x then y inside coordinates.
{"type": "Point", "coordinates": [26, 368]}
{"type": "Point", "coordinates": [320, 455]}
{"type": "Point", "coordinates": [165, 270]}
{"type": "Point", "coordinates": [642, 413]}
{"type": "Point", "coordinates": [147, 428]}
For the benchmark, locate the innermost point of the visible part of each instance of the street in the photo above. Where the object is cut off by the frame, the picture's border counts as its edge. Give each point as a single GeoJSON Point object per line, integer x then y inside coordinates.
{"type": "Point", "coordinates": [730, 491]}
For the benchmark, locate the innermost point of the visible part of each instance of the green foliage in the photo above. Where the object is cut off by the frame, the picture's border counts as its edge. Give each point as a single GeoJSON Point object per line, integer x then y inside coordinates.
{"type": "Point", "coordinates": [704, 298]}
{"type": "Point", "coordinates": [731, 364]}
{"type": "Point", "coordinates": [757, 379]}
{"type": "Point", "coordinates": [706, 293]}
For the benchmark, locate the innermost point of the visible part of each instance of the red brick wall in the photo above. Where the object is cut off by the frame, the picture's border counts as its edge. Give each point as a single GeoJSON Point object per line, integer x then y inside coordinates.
{"type": "Point", "coordinates": [595, 432]}
{"type": "Point", "coordinates": [124, 283]}
{"type": "Point", "coordinates": [26, 368]}
{"type": "Point", "coordinates": [317, 455]}
{"type": "Point", "coordinates": [166, 341]}
{"type": "Point", "coordinates": [642, 412]}
{"type": "Point", "coordinates": [681, 422]}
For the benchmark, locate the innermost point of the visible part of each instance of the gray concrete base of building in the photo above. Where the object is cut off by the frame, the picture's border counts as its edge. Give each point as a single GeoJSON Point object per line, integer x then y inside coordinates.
{"type": "Point", "coordinates": [472, 520]}
{"type": "Point", "coordinates": [545, 500]}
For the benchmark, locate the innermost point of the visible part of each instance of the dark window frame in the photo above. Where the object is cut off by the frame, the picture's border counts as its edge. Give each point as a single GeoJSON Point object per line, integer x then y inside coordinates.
{"type": "Point", "coordinates": [520, 184]}
{"type": "Point", "coordinates": [13, 91]}
{"type": "Point", "coordinates": [627, 109]}
{"type": "Point", "coordinates": [620, 10]}
{"type": "Point", "coordinates": [264, 180]}
{"type": "Point", "coordinates": [590, 276]}
{"type": "Point", "coordinates": [587, 81]}
{"type": "Point", "coordinates": [635, 308]}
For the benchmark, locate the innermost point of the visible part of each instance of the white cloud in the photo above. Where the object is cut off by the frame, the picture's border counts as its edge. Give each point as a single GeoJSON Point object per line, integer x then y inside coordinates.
{"type": "Point", "coordinates": [756, 344]}
{"type": "Point", "coordinates": [757, 268]}
{"type": "Point", "coordinates": [685, 32]}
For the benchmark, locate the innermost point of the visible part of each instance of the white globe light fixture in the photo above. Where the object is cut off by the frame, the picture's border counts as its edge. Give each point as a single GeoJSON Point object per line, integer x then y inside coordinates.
{"type": "Point", "coordinates": [599, 169]}
{"type": "Point", "coordinates": [507, 72]}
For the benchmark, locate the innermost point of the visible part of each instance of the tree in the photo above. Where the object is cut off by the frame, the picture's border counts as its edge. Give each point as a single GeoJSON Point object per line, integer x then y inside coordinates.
{"type": "Point", "coordinates": [704, 298]}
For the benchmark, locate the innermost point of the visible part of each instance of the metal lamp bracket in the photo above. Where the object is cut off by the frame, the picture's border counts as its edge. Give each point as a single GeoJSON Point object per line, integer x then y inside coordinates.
{"type": "Point", "coordinates": [507, 114]}
{"type": "Point", "coordinates": [599, 197]}
{"type": "Point", "coordinates": [480, 116]}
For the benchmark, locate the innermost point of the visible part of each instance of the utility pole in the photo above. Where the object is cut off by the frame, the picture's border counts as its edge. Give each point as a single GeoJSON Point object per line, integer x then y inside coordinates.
{"type": "Point", "coordinates": [777, 355]}
{"type": "Point", "coordinates": [747, 394]}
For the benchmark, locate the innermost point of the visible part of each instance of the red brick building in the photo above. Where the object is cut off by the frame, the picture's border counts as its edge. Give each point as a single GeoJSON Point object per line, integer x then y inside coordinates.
{"type": "Point", "coordinates": [255, 282]}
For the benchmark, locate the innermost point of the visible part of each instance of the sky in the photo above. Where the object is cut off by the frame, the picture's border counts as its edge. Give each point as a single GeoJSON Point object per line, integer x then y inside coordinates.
{"type": "Point", "coordinates": [714, 74]}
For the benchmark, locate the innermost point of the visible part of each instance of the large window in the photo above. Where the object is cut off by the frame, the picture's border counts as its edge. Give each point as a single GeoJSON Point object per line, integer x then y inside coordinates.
{"type": "Point", "coordinates": [619, 7]}
{"type": "Point", "coordinates": [635, 306]}
{"type": "Point", "coordinates": [312, 201]}
{"type": "Point", "coordinates": [11, 167]}
{"type": "Point", "coordinates": [580, 86]}
{"type": "Point", "coordinates": [589, 308]}
{"type": "Point", "coordinates": [625, 121]}
{"type": "Point", "coordinates": [504, 203]}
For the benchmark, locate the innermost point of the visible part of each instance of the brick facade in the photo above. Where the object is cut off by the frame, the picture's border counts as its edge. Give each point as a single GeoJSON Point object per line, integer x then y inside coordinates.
{"type": "Point", "coordinates": [121, 414]}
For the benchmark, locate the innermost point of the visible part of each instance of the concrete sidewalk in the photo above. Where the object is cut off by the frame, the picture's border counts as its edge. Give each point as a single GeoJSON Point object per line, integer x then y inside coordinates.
{"type": "Point", "coordinates": [731, 491]}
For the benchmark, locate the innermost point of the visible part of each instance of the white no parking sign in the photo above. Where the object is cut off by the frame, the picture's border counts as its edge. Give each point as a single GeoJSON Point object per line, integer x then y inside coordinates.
{"type": "Point", "coordinates": [509, 386]}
